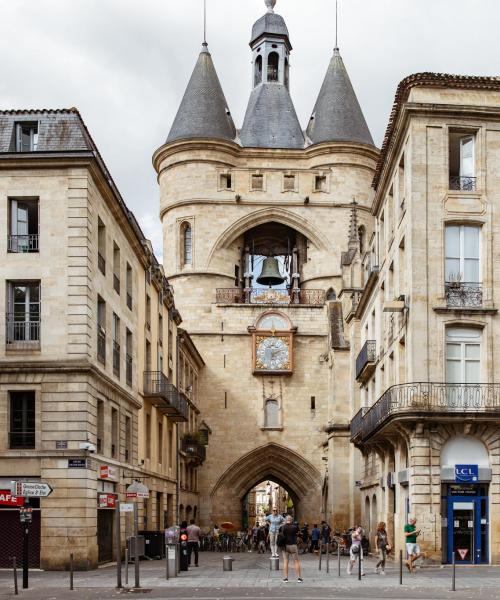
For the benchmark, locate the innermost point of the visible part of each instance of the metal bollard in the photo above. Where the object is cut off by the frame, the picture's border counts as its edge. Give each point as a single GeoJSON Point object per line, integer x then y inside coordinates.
{"type": "Point", "coordinates": [177, 558]}
{"type": "Point", "coordinates": [167, 572]}
{"type": "Point", "coordinates": [126, 565]}
{"type": "Point", "coordinates": [400, 567]}
{"type": "Point", "coordinates": [338, 559]}
{"type": "Point", "coordinates": [71, 587]}
{"type": "Point", "coordinates": [327, 557]}
{"type": "Point", "coordinates": [360, 555]}
{"type": "Point", "coordinates": [227, 563]}
{"type": "Point", "coordinates": [320, 554]}
{"type": "Point", "coordinates": [274, 563]}
{"type": "Point", "coordinates": [453, 588]}
{"type": "Point", "coordinates": [14, 565]}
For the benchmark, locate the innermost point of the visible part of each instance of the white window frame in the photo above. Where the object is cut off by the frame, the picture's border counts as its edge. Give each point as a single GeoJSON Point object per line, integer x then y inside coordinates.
{"type": "Point", "coordinates": [463, 141]}
{"type": "Point", "coordinates": [463, 337]}
{"type": "Point", "coordinates": [462, 258]}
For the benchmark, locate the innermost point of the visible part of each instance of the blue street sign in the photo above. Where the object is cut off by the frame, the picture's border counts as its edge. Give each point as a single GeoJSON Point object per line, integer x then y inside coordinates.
{"type": "Point", "coordinates": [466, 473]}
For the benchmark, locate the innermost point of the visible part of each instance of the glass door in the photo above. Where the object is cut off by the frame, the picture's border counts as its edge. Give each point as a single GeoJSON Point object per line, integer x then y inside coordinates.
{"type": "Point", "coordinates": [468, 529]}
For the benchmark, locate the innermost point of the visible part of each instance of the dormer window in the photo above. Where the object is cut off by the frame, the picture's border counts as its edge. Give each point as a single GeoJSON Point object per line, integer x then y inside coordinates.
{"type": "Point", "coordinates": [26, 137]}
{"type": "Point", "coordinates": [257, 182]}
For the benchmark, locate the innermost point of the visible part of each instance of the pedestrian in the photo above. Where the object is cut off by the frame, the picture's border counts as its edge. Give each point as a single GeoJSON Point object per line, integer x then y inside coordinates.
{"type": "Point", "coordinates": [275, 521]}
{"type": "Point", "coordinates": [255, 530]}
{"type": "Point", "coordinates": [193, 533]}
{"type": "Point", "coordinates": [290, 550]}
{"type": "Point", "coordinates": [325, 533]}
{"type": "Point", "coordinates": [382, 546]}
{"type": "Point", "coordinates": [356, 551]}
{"type": "Point", "coordinates": [315, 534]}
{"type": "Point", "coordinates": [261, 540]}
{"type": "Point", "coordinates": [412, 548]}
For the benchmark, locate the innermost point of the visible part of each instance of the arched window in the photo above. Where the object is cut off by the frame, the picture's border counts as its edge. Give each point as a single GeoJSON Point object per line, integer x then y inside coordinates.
{"type": "Point", "coordinates": [187, 244]}
{"type": "Point", "coordinates": [331, 295]}
{"type": "Point", "coordinates": [273, 66]}
{"type": "Point", "coordinates": [272, 413]}
{"type": "Point", "coordinates": [258, 70]}
{"type": "Point", "coordinates": [273, 321]}
{"type": "Point", "coordinates": [287, 74]}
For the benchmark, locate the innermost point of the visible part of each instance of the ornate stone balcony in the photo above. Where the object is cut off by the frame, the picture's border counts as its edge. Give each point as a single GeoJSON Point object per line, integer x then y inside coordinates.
{"type": "Point", "coordinates": [270, 296]}
{"type": "Point", "coordinates": [427, 401]}
{"type": "Point", "coordinates": [165, 396]}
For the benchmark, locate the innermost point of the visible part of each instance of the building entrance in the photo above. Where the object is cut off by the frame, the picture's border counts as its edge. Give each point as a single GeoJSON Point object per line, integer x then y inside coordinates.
{"type": "Point", "coordinates": [467, 523]}
{"type": "Point", "coordinates": [260, 501]}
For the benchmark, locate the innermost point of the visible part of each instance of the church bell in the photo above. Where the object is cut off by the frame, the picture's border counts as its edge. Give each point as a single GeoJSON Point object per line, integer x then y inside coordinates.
{"type": "Point", "coordinates": [270, 274]}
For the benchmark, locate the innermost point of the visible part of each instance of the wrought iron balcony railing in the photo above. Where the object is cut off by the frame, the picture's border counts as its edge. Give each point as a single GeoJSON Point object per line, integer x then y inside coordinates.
{"type": "Point", "coordinates": [465, 184]}
{"type": "Point", "coordinates": [21, 439]}
{"type": "Point", "coordinates": [23, 243]}
{"type": "Point", "coordinates": [22, 334]}
{"type": "Point", "coordinates": [421, 400]}
{"type": "Point", "coordinates": [195, 451]}
{"type": "Point", "coordinates": [366, 358]}
{"type": "Point", "coordinates": [270, 296]}
{"type": "Point", "coordinates": [464, 295]}
{"type": "Point", "coordinates": [165, 396]}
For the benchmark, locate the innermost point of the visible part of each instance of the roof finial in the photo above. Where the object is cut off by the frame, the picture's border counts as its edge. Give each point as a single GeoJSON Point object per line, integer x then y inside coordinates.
{"type": "Point", "coordinates": [270, 5]}
{"type": "Point", "coordinates": [336, 25]}
{"type": "Point", "coordinates": [204, 22]}
{"type": "Point", "coordinates": [353, 226]}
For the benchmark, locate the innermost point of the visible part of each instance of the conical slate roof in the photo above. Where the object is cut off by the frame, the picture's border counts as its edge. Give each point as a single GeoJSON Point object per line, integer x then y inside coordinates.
{"type": "Point", "coordinates": [203, 112]}
{"type": "Point", "coordinates": [271, 120]}
{"type": "Point", "coordinates": [337, 115]}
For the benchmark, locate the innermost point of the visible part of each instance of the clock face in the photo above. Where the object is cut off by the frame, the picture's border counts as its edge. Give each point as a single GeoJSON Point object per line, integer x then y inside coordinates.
{"type": "Point", "coordinates": [272, 354]}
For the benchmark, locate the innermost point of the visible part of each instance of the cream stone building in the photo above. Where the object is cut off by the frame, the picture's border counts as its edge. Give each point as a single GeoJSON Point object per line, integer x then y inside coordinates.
{"type": "Point", "coordinates": [88, 347]}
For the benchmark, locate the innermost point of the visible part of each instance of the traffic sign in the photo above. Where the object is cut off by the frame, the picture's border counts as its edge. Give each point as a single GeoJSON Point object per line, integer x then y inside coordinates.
{"type": "Point", "coordinates": [463, 552]}
{"type": "Point", "coordinates": [30, 489]}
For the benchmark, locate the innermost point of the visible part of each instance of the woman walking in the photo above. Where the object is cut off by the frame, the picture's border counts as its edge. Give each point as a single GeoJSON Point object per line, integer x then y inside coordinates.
{"type": "Point", "coordinates": [356, 551]}
{"type": "Point", "coordinates": [382, 546]}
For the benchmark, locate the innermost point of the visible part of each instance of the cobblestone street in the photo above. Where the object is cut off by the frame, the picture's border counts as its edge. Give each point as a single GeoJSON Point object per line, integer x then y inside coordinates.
{"type": "Point", "coordinates": [251, 578]}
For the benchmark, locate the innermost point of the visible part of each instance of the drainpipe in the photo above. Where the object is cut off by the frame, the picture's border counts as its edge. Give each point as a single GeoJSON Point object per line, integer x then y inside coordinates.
{"type": "Point", "coordinates": [177, 433]}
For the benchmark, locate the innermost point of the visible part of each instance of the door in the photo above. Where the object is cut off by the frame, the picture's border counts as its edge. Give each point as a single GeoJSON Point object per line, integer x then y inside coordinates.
{"type": "Point", "coordinates": [105, 535]}
{"type": "Point", "coordinates": [468, 529]}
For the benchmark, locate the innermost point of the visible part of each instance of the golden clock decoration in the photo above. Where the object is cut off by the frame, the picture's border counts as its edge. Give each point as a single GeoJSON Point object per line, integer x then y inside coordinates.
{"type": "Point", "coordinates": [272, 348]}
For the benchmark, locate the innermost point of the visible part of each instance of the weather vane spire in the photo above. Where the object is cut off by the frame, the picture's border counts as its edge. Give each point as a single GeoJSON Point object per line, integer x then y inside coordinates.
{"type": "Point", "coordinates": [270, 5]}
{"type": "Point", "coordinates": [204, 22]}
{"type": "Point", "coordinates": [336, 24]}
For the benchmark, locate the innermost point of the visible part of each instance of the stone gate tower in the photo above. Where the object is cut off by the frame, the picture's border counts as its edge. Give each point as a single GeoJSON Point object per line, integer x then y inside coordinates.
{"type": "Point", "coordinates": [254, 221]}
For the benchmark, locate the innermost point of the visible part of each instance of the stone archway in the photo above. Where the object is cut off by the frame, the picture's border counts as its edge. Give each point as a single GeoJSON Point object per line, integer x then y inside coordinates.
{"type": "Point", "coordinates": [270, 461]}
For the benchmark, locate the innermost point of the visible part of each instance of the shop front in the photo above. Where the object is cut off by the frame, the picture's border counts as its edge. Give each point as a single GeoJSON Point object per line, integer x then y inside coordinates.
{"type": "Point", "coordinates": [465, 522]}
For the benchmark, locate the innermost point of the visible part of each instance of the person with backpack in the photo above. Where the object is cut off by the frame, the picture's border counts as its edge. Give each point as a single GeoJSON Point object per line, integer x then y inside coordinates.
{"type": "Point", "coordinates": [356, 551]}
{"type": "Point", "coordinates": [287, 539]}
{"type": "Point", "coordinates": [382, 546]}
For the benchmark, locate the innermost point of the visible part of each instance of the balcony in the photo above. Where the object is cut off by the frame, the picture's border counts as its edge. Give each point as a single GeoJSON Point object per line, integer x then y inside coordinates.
{"type": "Point", "coordinates": [165, 396]}
{"type": "Point", "coordinates": [365, 362]}
{"type": "Point", "coordinates": [22, 243]}
{"type": "Point", "coordinates": [464, 184]}
{"type": "Point", "coordinates": [282, 297]}
{"type": "Point", "coordinates": [443, 401]}
{"type": "Point", "coordinates": [21, 440]}
{"type": "Point", "coordinates": [21, 334]}
{"type": "Point", "coordinates": [463, 295]}
{"type": "Point", "coordinates": [195, 451]}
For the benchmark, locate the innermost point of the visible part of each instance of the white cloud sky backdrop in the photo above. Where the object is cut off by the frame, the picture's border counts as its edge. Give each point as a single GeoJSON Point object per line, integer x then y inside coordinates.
{"type": "Point", "coordinates": [125, 63]}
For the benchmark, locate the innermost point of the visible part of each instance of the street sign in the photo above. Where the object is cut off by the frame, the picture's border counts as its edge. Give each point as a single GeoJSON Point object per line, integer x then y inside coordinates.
{"type": "Point", "coordinates": [106, 500]}
{"type": "Point", "coordinates": [107, 472]}
{"type": "Point", "coordinates": [126, 507]}
{"type": "Point", "coordinates": [77, 463]}
{"type": "Point", "coordinates": [466, 473]}
{"type": "Point", "coordinates": [131, 495]}
{"type": "Point", "coordinates": [7, 499]}
{"type": "Point", "coordinates": [463, 552]}
{"type": "Point", "coordinates": [30, 489]}
{"type": "Point", "coordinates": [61, 444]}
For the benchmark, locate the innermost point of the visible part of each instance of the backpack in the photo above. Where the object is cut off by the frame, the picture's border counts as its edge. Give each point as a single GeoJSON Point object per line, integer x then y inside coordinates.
{"type": "Point", "coordinates": [280, 539]}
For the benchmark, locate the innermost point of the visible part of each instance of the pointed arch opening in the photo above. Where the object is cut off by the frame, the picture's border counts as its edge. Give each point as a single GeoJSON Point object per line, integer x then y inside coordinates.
{"type": "Point", "coordinates": [186, 244]}
{"type": "Point", "coordinates": [273, 62]}
{"type": "Point", "coordinates": [258, 71]}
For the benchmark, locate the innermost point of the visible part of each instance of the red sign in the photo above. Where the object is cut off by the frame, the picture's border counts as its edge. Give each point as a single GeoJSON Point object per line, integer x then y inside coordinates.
{"type": "Point", "coordinates": [463, 552]}
{"type": "Point", "coordinates": [106, 500]}
{"type": "Point", "coordinates": [7, 499]}
{"type": "Point", "coordinates": [107, 472]}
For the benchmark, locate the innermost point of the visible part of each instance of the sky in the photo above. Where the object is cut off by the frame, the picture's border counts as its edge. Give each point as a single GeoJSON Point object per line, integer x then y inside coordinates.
{"type": "Point", "coordinates": [125, 63]}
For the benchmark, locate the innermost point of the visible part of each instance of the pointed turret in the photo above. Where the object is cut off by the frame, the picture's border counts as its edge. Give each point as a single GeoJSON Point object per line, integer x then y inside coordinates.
{"type": "Point", "coordinates": [270, 119]}
{"type": "Point", "coordinates": [203, 112]}
{"type": "Point", "coordinates": [337, 115]}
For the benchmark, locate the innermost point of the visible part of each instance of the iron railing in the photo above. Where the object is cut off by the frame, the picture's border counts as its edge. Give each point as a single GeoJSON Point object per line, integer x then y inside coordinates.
{"type": "Point", "coordinates": [357, 424]}
{"type": "Point", "coordinates": [116, 358]}
{"type": "Point", "coordinates": [165, 396]}
{"type": "Point", "coordinates": [23, 243]}
{"type": "Point", "coordinates": [21, 439]}
{"type": "Point", "coordinates": [270, 296]}
{"type": "Point", "coordinates": [101, 263]}
{"type": "Point", "coordinates": [101, 346]}
{"type": "Point", "coordinates": [426, 399]}
{"type": "Point", "coordinates": [128, 369]}
{"type": "Point", "coordinates": [22, 334]}
{"type": "Point", "coordinates": [464, 295]}
{"type": "Point", "coordinates": [195, 451]}
{"type": "Point", "coordinates": [367, 355]}
{"type": "Point", "coordinates": [465, 184]}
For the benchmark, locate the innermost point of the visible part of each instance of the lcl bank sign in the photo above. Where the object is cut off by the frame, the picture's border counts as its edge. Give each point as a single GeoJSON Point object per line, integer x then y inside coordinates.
{"type": "Point", "coordinates": [466, 473]}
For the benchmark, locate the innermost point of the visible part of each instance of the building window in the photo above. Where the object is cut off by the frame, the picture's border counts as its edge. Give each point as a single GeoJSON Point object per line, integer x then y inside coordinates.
{"type": "Point", "coordinates": [463, 355]}
{"type": "Point", "coordinates": [116, 345]}
{"type": "Point", "coordinates": [22, 420]}
{"type": "Point", "coordinates": [272, 414]}
{"type": "Point", "coordinates": [287, 74]}
{"type": "Point", "coordinates": [101, 246]}
{"type": "Point", "coordinates": [187, 244]}
{"type": "Point", "coordinates": [116, 268]}
{"type": "Point", "coordinates": [289, 183]}
{"type": "Point", "coordinates": [114, 433]}
{"type": "Point", "coordinates": [23, 316]}
{"type": "Point", "coordinates": [128, 358]}
{"type": "Point", "coordinates": [462, 248]}
{"type": "Point", "coordinates": [101, 330]}
{"type": "Point", "coordinates": [320, 183]}
{"type": "Point", "coordinates": [226, 181]}
{"type": "Point", "coordinates": [148, 312]}
{"type": "Point", "coordinates": [129, 286]}
{"type": "Point", "coordinates": [26, 137]}
{"type": "Point", "coordinates": [100, 426]}
{"type": "Point", "coordinates": [258, 71]}
{"type": "Point", "coordinates": [462, 162]}
{"type": "Point", "coordinates": [128, 439]}
{"type": "Point", "coordinates": [23, 225]}
{"type": "Point", "coordinates": [273, 61]}
{"type": "Point", "coordinates": [160, 443]}
{"type": "Point", "coordinates": [147, 357]}
{"type": "Point", "coordinates": [236, 275]}
{"type": "Point", "coordinates": [148, 436]}
{"type": "Point", "coordinates": [257, 182]}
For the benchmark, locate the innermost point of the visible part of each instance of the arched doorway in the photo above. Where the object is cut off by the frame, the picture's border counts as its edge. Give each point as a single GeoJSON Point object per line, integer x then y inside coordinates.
{"type": "Point", "coordinates": [270, 462]}
{"type": "Point", "coordinates": [262, 498]}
